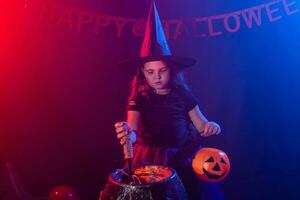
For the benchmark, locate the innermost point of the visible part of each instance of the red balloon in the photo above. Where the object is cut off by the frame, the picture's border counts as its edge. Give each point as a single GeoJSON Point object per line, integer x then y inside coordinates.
{"type": "Point", "coordinates": [63, 192]}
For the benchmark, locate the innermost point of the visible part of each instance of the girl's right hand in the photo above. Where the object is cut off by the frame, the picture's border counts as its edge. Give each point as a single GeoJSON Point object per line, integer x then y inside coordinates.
{"type": "Point", "coordinates": [124, 132]}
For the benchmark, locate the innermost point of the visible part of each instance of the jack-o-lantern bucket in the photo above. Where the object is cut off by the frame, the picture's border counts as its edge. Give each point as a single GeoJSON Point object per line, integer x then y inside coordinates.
{"type": "Point", "coordinates": [151, 183]}
{"type": "Point", "coordinates": [211, 164]}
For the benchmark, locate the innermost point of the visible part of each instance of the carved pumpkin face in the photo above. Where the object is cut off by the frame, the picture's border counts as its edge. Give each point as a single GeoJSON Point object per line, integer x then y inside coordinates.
{"type": "Point", "coordinates": [211, 164]}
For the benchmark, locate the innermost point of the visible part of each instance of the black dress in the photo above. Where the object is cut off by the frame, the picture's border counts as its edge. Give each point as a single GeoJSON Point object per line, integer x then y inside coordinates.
{"type": "Point", "coordinates": [168, 136]}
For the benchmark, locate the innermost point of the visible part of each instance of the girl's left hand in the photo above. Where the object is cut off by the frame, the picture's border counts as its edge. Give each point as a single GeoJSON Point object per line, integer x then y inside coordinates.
{"type": "Point", "coordinates": [211, 128]}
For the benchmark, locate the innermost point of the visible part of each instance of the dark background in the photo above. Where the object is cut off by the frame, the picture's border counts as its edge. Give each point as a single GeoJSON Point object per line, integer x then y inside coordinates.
{"type": "Point", "coordinates": [60, 95]}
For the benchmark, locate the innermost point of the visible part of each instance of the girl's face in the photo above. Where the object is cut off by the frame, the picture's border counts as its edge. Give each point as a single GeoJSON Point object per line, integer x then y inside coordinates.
{"type": "Point", "coordinates": [157, 74]}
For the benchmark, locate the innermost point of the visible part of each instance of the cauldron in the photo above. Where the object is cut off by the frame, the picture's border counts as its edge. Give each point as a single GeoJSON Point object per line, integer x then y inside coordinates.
{"type": "Point", "coordinates": [152, 182]}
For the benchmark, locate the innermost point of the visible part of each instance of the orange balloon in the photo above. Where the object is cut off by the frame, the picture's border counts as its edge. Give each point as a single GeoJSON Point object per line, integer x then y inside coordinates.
{"type": "Point", "coordinates": [63, 192]}
{"type": "Point", "coordinates": [211, 164]}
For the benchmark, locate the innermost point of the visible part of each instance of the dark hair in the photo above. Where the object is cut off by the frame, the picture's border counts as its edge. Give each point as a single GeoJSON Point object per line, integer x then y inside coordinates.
{"type": "Point", "coordinates": [139, 84]}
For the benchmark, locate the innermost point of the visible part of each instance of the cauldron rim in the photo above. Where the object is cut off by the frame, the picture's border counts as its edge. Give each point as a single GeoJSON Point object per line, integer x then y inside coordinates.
{"type": "Point", "coordinates": [144, 184]}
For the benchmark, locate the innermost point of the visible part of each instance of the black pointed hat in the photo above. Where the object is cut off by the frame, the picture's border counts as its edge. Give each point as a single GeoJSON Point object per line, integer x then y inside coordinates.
{"type": "Point", "coordinates": [155, 46]}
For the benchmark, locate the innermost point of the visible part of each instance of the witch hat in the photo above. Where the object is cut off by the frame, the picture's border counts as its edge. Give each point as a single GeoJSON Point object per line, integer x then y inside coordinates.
{"type": "Point", "coordinates": [155, 46]}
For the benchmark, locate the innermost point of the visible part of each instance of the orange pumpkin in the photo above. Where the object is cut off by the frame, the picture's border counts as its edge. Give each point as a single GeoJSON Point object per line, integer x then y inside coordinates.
{"type": "Point", "coordinates": [211, 164]}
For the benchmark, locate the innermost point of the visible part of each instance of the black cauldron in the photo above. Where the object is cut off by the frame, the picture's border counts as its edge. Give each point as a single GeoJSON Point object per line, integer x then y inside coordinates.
{"type": "Point", "coordinates": [152, 182]}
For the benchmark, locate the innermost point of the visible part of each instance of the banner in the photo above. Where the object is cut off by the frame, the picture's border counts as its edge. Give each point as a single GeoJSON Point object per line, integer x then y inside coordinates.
{"type": "Point", "coordinates": [199, 27]}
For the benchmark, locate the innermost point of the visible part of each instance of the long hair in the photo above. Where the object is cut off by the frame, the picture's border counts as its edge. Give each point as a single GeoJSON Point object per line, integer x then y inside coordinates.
{"type": "Point", "coordinates": [139, 84]}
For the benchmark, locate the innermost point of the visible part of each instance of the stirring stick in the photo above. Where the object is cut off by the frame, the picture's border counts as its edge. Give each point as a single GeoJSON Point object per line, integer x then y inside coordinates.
{"type": "Point", "coordinates": [128, 155]}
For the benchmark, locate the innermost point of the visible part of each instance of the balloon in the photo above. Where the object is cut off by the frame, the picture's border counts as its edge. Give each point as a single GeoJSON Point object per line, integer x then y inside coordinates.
{"type": "Point", "coordinates": [63, 192]}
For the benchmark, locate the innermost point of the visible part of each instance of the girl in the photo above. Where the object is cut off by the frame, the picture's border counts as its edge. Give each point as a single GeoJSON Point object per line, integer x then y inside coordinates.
{"type": "Point", "coordinates": [161, 117]}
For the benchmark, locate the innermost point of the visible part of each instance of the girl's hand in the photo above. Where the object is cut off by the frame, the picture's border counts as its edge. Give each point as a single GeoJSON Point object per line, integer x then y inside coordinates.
{"type": "Point", "coordinates": [123, 132]}
{"type": "Point", "coordinates": [211, 128]}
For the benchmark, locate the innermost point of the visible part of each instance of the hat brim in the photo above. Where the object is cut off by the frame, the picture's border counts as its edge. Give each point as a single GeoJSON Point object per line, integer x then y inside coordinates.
{"type": "Point", "coordinates": [131, 65]}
